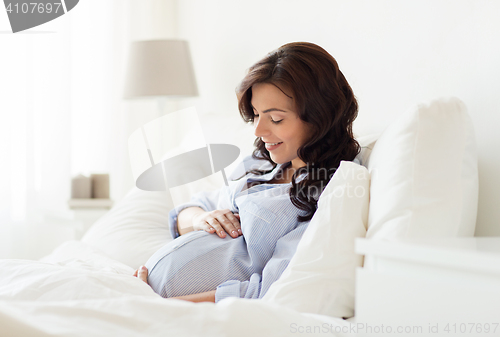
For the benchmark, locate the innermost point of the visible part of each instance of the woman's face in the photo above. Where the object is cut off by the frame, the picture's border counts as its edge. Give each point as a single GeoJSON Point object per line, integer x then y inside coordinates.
{"type": "Point", "coordinates": [277, 122]}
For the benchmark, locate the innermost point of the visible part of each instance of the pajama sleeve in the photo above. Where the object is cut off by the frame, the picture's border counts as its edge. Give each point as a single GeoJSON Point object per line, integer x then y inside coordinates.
{"type": "Point", "coordinates": [258, 284]}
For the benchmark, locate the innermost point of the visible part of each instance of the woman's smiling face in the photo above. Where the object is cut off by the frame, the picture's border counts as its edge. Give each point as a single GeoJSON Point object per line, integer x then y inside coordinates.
{"type": "Point", "coordinates": [276, 121]}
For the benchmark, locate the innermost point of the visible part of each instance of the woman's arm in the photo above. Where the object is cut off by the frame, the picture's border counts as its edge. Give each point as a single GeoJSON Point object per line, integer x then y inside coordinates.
{"type": "Point", "coordinates": [185, 219]}
{"type": "Point", "coordinates": [208, 296]}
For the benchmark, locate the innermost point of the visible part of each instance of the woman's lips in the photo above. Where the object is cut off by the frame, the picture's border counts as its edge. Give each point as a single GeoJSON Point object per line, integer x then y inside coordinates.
{"type": "Point", "coordinates": [272, 147]}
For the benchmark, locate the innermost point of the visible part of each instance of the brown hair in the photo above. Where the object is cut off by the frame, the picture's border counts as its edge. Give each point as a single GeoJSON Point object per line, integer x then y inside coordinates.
{"type": "Point", "coordinates": [323, 99]}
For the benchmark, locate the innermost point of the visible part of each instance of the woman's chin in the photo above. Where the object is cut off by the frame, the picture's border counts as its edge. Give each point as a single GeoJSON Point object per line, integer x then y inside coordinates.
{"type": "Point", "coordinates": [275, 159]}
{"type": "Point", "coordinates": [279, 161]}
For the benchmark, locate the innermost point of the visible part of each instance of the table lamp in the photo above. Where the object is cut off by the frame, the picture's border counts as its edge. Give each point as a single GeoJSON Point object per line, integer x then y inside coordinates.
{"type": "Point", "coordinates": [159, 68]}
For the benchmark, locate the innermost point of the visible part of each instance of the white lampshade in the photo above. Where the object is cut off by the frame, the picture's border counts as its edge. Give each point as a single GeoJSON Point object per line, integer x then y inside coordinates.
{"type": "Point", "coordinates": [160, 68]}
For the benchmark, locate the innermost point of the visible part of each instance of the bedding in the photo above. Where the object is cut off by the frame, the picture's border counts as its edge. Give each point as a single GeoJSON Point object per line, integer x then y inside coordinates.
{"type": "Point", "coordinates": [79, 291]}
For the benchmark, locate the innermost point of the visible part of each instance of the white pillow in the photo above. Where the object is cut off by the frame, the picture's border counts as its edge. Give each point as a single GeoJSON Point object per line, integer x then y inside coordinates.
{"type": "Point", "coordinates": [320, 276]}
{"type": "Point", "coordinates": [135, 228]}
{"type": "Point", "coordinates": [424, 177]}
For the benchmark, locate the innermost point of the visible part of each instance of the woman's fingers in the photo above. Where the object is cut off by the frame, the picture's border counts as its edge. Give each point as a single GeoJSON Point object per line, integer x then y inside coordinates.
{"type": "Point", "coordinates": [229, 223]}
{"type": "Point", "coordinates": [142, 273]}
{"type": "Point", "coordinates": [226, 223]}
{"type": "Point", "coordinates": [220, 222]}
{"type": "Point", "coordinates": [239, 223]}
{"type": "Point", "coordinates": [217, 226]}
{"type": "Point", "coordinates": [233, 224]}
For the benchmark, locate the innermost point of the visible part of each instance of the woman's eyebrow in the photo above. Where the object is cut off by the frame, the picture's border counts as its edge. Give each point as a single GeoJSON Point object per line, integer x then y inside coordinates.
{"type": "Point", "coordinates": [269, 110]}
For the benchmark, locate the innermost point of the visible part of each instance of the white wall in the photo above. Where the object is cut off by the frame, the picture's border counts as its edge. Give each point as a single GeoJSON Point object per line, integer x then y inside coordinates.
{"type": "Point", "coordinates": [394, 54]}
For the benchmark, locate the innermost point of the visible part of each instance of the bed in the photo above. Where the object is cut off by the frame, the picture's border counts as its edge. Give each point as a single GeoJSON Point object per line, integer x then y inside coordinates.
{"type": "Point", "coordinates": [409, 182]}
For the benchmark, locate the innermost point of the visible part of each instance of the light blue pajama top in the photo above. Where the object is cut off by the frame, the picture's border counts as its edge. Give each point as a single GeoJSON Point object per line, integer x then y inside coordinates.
{"type": "Point", "coordinates": [245, 266]}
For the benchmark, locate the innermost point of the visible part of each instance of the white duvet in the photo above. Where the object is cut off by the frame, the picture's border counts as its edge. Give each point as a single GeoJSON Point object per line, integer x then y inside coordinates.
{"type": "Point", "coordinates": [78, 291]}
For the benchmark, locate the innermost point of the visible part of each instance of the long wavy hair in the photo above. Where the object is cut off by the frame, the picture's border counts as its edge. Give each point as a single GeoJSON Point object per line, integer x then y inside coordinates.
{"type": "Point", "coordinates": [323, 99]}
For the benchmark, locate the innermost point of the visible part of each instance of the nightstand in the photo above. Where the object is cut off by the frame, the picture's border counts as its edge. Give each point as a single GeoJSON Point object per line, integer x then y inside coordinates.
{"type": "Point", "coordinates": [429, 287]}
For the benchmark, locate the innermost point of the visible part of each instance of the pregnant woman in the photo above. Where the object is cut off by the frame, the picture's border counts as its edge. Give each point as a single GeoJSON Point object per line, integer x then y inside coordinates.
{"type": "Point", "coordinates": [237, 241]}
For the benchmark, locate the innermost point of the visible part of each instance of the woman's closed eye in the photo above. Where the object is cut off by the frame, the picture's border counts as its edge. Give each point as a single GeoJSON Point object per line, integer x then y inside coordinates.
{"type": "Point", "coordinates": [272, 120]}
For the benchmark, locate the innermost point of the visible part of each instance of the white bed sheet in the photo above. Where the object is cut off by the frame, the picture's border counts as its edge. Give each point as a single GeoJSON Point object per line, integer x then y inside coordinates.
{"type": "Point", "coordinates": [78, 291]}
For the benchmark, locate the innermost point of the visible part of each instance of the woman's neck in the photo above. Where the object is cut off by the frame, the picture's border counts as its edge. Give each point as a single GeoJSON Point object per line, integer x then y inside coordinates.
{"type": "Point", "coordinates": [297, 163]}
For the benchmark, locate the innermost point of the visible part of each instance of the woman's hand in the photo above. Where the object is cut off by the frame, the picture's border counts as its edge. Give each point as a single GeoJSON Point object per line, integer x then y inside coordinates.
{"type": "Point", "coordinates": [142, 274]}
{"type": "Point", "coordinates": [218, 221]}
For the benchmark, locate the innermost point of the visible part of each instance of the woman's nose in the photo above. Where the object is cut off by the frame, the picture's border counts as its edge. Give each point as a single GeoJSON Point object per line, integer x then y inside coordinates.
{"type": "Point", "coordinates": [260, 129]}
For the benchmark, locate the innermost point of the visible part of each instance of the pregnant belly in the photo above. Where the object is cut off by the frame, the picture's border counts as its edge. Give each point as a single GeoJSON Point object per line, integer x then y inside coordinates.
{"type": "Point", "coordinates": [197, 262]}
